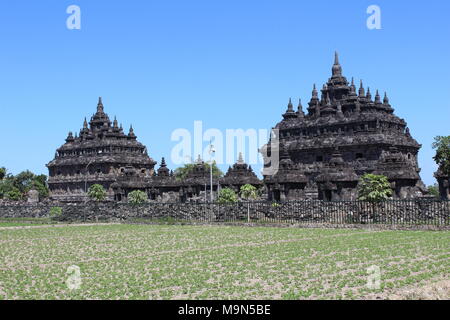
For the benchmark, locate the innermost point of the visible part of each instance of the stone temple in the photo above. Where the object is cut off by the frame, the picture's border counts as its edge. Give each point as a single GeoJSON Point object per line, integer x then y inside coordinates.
{"type": "Point", "coordinates": [100, 153]}
{"type": "Point", "coordinates": [103, 154]}
{"type": "Point", "coordinates": [323, 152]}
{"type": "Point", "coordinates": [344, 133]}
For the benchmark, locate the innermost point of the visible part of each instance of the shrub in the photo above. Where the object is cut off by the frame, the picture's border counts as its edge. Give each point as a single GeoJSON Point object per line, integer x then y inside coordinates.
{"type": "Point", "coordinates": [374, 188]}
{"type": "Point", "coordinates": [55, 212]}
{"type": "Point", "coordinates": [169, 220]}
{"type": "Point", "coordinates": [227, 195]}
{"type": "Point", "coordinates": [14, 194]}
{"type": "Point", "coordinates": [97, 193]}
{"type": "Point", "coordinates": [137, 197]}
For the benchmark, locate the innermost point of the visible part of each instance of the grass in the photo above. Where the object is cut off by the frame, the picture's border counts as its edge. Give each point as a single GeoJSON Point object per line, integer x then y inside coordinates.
{"type": "Point", "coordinates": [22, 222]}
{"type": "Point", "coordinates": [215, 262]}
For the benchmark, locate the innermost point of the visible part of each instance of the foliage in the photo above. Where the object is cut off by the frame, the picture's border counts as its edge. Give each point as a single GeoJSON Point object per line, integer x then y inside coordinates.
{"type": "Point", "coordinates": [374, 188]}
{"type": "Point", "coordinates": [96, 192]}
{"type": "Point", "coordinates": [181, 172]}
{"type": "Point", "coordinates": [41, 188]}
{"type": "Point", "coordinates": [275, 205]}
{"type": "Point", "coordinates": [227, 195]}
{"type": "Point", "coordinates": [433, 190]}
{"type": "Point", "coordinates": [42, 179]}
{"type": "Point", "coordinates": [22, 183]}
{"type": "Point", "coordinates": [2, 173]}
{"type": "Point", "coordinates": [249, 192]}
{"type": "Point", "coordinates": [137, 197]}
{"type": "Point", "coordinates": [14, 194]}
{"type": "Point", "coordinates": [55, 212]}
{"type": "Point", "coordinates": [442, 157]}
{"type": "Point", "coordinates": [6, 185]}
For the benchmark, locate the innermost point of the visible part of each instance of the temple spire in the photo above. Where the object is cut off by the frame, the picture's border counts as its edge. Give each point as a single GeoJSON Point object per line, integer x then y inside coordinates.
{"type": "Point", "coordinates": [300, 108]}
{"type": "Point", "coordinates": [70, 137]}
{"type": "Point", "coordinates": [323, 95]}
{"type": "Point", "coordinates": [100, 105]}
{"type": "Point", "coordinates": [386, 99]}
{"type": "Point", "coordinates": [131, 132]}
{"type": "Point", "coordinates": [361, 89]}
{"type": "Point", "coordinates": [85, 124]}
{"type": "Point", "coordinates": [353, 87]}
{"type": "Point", "coordinates": [315, 94]}
{"type": "Point", "coordinates": [337, 69]}
{"type": "Point", "coordinates": [377, 98]}
{"type": "Point", "coordinates": [290, 105]}
{"type": "Point", "coordinates": [369, 95]}
{"type": "Point", "coordinates": [290, 113]}
{"type": "Point", "coordinates": [240, 159]}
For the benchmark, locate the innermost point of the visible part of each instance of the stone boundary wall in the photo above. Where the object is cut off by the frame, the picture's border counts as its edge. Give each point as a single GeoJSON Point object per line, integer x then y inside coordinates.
{"type": "Point", "coordinates": [346, 212]}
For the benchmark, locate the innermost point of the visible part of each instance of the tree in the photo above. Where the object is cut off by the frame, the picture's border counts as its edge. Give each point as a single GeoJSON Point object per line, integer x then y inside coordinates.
{"type": "Point", "coordinates": [181, 172]}
{"type": "Point", "coordinates": [137, 197]}
{"type": "Point", "coordinates": [442, 157]}
{"type": "Point", "coordinates": [97, 193]}
{"type": "Point", "coordinates": [41, 188]}
{"type": "Point", "coordinates": [249, 192]}
{"type": "Point", "coordinates": [2, 173]}
{"type": "Point", "coordinates": [24, 181]}
{"type": "Point", "coordinates": [434, 190]}
{"type": "Point", "coordinates": [374, 188]}
{"type": "Point", "coordinates": [42, 179]}
{"type": "Point", "coordinates": [227, 195]}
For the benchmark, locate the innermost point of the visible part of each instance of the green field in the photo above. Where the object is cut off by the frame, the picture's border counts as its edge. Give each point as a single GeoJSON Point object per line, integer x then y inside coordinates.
{"type": "Point", "coordinates": [199, 262]}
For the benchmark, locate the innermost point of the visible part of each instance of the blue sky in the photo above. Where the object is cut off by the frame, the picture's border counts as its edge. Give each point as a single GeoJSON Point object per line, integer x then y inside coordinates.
{"type": "Point", "coordinates": [161, 65]}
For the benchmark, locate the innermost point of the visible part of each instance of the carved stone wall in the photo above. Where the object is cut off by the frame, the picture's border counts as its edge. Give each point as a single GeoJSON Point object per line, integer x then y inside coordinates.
{"type": "Point", "coordinates": [343, 212]}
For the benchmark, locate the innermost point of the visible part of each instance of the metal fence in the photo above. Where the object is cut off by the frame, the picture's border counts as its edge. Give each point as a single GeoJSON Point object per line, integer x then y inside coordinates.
{"type": "Point", "coordinates": [395, 212]}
